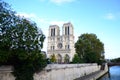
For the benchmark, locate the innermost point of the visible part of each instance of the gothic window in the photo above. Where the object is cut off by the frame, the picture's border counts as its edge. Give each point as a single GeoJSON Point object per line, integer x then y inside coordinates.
{"type": "Point", "coordinates": [54, 31]}
{"type": "Point", "coordinates": [65, 30]}
{"type": "Point", "coordinates": [68, 30]}
{"type": "Point", "coordinates": [51, 32]}
{"type": "Point", "coordinates": [68, 46]}
{"type": "Point", "coordinates": [52, 47]}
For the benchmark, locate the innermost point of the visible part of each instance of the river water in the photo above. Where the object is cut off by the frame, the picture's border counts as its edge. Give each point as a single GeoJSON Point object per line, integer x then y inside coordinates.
{"type": "Point", "coordinates": [114, 74]}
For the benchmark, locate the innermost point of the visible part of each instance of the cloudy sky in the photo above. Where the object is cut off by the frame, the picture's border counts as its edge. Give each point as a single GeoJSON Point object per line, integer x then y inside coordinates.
{"type": "Point", "coordinates": [101, 17]}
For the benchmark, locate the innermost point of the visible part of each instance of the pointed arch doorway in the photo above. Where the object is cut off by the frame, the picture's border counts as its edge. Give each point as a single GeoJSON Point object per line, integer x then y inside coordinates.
{"type": "Point", "coordinates": [59, 58]}
{"type": "Point", "coordinates": [66, 58]}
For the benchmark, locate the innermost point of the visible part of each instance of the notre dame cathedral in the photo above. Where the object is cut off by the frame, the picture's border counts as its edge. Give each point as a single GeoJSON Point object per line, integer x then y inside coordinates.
{"type": "Point", "coordinates": [62, 46]}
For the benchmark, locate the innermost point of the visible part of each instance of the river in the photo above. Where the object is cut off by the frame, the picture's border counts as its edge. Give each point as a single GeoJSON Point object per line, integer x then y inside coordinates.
{"type": "Point", "coordinates": [114, 74]}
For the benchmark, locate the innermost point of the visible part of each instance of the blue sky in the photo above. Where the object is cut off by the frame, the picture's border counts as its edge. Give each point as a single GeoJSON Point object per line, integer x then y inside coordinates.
{"type": "Point", "coordinates": [101, 17]}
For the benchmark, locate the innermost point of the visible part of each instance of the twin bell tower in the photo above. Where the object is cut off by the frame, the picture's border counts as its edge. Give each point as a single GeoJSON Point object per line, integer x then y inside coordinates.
{"type": "Point", "coordinates": [62, 46]}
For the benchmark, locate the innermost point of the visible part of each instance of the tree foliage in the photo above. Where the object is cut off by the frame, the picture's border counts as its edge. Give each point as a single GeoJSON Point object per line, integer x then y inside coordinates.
{"type": "Point", "coordinates": [20, 44]}
{"type": "Point", "coordinates": [76, 59]}
{"type": "Point", "coordinates": [89, 48]}
{"type": "Point", "coordinates": [53, 58]}
{"type": "Point", "coordinates": [6, 21]}
{"type": "Point", "coordinates": [116, 60]}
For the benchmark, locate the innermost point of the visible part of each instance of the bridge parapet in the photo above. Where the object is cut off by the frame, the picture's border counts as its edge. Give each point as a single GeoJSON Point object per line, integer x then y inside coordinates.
{"type": "Point", "coordinates": [113, 64]}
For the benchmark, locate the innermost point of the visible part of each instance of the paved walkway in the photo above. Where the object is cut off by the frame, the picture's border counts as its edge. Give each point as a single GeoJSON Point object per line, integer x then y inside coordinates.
{"type": "Point", "coordinates": [90, 76]}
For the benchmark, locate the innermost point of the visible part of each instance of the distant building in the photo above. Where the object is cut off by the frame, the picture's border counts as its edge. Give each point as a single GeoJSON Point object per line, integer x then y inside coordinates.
{"type": "Point", "coordinates": [62, 46]}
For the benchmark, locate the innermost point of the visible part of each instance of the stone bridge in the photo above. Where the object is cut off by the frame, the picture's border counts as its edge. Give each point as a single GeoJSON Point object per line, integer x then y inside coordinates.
{"type": "Point", "coordinates": [113, 64]}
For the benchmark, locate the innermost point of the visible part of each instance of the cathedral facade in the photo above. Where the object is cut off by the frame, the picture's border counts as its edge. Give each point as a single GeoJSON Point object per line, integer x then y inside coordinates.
{"type": "Point", "coordinates": [61, 46]}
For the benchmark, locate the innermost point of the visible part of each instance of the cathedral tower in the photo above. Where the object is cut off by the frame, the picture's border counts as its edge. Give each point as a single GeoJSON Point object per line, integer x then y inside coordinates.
{"type": "Point", "coordinates": [62, 46]}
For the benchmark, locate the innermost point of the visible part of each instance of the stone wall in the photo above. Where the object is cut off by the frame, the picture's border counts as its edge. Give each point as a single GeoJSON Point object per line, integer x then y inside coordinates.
{"type": "Point", "coordinates": [5, 73]}
{"type": "Point", "coordinates": [55, 72]}
{"type": "Point", "coordinates": [66, 71]}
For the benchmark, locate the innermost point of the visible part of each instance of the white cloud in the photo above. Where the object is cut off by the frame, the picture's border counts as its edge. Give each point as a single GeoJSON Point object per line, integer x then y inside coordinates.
{"type": "Point", "coordinates": [61, 1]}
{"type": "Point", "coordinates": [110, 16]}
{"type": "Point", "coordinates": [26, 15]}
{"type": "Point", "coordinates": [42, 23]}
{"type": "Point", "coordinates": [36, 18]}
{"type": "Point", "coordinates": [32, 17]}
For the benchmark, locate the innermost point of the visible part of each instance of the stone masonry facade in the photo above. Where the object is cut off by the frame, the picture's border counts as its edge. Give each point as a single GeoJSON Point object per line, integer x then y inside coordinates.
{"type": "Point", "coordinates": [62, 46]}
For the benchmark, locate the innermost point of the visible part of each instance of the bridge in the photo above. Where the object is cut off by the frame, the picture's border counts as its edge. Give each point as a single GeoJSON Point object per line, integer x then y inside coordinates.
{"type": "Point", "coordinates": [113, 64]}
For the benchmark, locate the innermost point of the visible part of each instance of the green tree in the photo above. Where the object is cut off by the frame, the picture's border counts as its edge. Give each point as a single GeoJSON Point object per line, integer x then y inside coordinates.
{"type": "Point", "coordinates": [116, 60]}
{"type": "Point", "coordinates": [89, 48]}
{"type": "Point", "coordinates": [53, 58]}
{"type": "Point", "coordinates": [76, 59]}
{"type": "Point", "coordinates": [20, 44]}
{"type": "Point", "coordinates": [6, 21]}
{"type": "Point", "coordinates": [91, 57]}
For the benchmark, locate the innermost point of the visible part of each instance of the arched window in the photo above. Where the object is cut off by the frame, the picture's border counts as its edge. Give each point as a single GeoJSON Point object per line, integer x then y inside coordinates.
{"type": "Point", "coordinates": [67, 30]}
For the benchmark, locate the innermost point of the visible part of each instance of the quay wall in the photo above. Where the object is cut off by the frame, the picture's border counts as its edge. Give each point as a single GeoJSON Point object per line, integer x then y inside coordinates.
{"type": "Point", "coordinates": [102, 72]}
{"type": "Point", "coordinates": [55, 71]}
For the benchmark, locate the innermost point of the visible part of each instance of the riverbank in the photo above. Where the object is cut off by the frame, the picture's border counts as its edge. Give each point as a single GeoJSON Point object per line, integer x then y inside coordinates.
{"type": "Point", "coordinates": [61, 72]}
{"type": "Point", "coordinates": [95, 75]}
{"type": "Point", "coordinates": [56, 72]}
{"type": "Point", "coordinates": [114, 74]}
